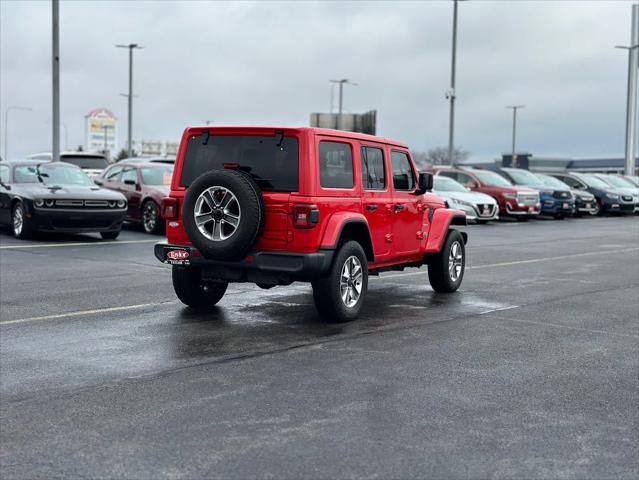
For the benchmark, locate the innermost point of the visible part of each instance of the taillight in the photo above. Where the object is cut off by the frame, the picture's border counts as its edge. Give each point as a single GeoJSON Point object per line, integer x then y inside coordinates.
{"type": "Point", "coordinates": [305, 215]}
{"type": "Point", "coordinates": [170, 208]}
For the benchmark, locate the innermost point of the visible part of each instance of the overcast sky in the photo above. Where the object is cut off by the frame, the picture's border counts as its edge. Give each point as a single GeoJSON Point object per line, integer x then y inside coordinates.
{"type": "Point", "coordinates": [270, 62]}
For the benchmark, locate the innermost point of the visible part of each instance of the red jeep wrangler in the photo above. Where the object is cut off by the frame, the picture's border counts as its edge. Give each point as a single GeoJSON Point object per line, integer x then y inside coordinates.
{"type": "Point", "coordinates": [273, 206]}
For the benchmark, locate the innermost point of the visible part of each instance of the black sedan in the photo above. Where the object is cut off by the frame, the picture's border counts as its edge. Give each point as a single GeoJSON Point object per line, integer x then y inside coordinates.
{"type": "Point", "coordinates": [57, 197]}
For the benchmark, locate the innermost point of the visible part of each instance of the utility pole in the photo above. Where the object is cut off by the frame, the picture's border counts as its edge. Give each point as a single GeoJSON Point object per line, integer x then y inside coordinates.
{"type": "Point", "coordinates": [341, 97]}
{"type": "Point", "coordinates": [6, 128]}
{"type": "Point", "coordinates": [513, 157]}
{"type": "Point", "coordinates": [131, 47]}
{"type": "Point", "coordinates": [451, 94]}
{"type": "Point", "coordinates": [631, 98]}
{"type": "Point", "coordinates": [55, 74]}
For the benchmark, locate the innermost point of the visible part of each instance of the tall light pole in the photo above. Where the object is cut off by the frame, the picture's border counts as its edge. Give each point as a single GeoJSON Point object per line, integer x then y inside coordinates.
{"type": "Point", "coordinates": [631, 99]}
{"type": "Point", "coordinates": [341, 96]}
{"type": "Point", "coordinates": [131, 47]}
{"type": "Point", "coordinates": [513, 157]}
{"type": "Point", "coordinates": [6, 122]}
{"type": "Point", "coordinates": [55, 74]}
{"type": "Point", "coordinates": [451, 95]}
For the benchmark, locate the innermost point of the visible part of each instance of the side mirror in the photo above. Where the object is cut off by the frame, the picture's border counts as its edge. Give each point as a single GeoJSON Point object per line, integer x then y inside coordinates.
{"type": "Point", "coordinates": [425, 183]}
{"type": "Point", "coordinates": [99, 182]}
{"type": "Point", "coordinates": [4, 185]}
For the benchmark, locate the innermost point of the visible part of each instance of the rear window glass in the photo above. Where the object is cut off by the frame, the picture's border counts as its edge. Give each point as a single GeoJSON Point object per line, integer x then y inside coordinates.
{"type": "Point", "coordinates": [84, 161]}
{"type": "Point", "coordinates": [336, 165]}
{"type": "Point", "coordinates": [272, 161]}
{"type": "Point", "coordinates": [157, 175]}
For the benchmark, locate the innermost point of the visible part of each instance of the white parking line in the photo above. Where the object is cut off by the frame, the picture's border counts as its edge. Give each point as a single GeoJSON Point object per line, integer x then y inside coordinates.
{"type": "Point", "coordinates": [76, 244]}
{"type": "Point", "coordinates": [498, 309]}
{"type": "Point", "coordinates": [82, 312]}
{"type": "Point", "coordinates": [517, 262]}
{"type": "Point", "coordinates": [143, 305]}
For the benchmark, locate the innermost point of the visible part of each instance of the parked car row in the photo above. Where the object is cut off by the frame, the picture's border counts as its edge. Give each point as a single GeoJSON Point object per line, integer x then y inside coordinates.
{"type": "Point", "coordinates": [519, 193]}
{"type": "Point", "coordinates": [84, 193]}
{"type": "Point", "coordinates": [44, 196]}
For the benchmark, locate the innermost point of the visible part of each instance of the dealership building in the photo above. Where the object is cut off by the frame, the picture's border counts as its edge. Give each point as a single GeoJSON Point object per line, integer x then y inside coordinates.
{"type": "Point", "coordinates": [542, 163]}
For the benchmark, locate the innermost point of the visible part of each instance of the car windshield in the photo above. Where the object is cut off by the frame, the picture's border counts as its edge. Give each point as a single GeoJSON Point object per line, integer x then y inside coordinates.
{"type": "Point", "coordinates": [51, 175]}
{"type": "Point", "coordinates": [492, 179]}
{"type": "Point", "coordinates": [272, 161]}
{"type": "Point", "coordinates": [618, 182]}
{"type": "Point", "coordinates": [160, 175]}
{"type": "Point", "coordinates": [523, 177]}
{"type": "Point", "coordinates": [444, 184]}
{"type": "Point", "coordinates": [86, 161]}
{"type": "Point", "coordinates": [552, 182]}
{"type": "Point", "coordinates": [594, 182]}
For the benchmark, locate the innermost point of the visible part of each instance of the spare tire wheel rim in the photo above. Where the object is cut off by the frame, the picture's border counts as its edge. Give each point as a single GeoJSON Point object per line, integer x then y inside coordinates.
{"type": "Point", "coordinates": [217, 213]}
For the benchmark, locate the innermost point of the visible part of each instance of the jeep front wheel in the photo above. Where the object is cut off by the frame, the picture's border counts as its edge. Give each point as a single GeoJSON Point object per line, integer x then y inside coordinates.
{"type": "Point", "coordinates": [189, 288]}
{"type": "Point", "coordinates": [339, 295]}
{"type": "Point", "coordinates": [446, 268]}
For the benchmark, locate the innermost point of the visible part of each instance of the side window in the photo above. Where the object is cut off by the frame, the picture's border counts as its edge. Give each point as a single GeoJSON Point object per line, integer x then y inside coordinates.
{"type": "Point", "coordinates": [445, 173]}
{"type": "Point", "coordinates": [373, 173]}
{"type": "Point", "coordinates": [465, 179]}
{"type": "Point", "coordinates": [336, 165]}
{"type": "Point", "coordinates": [113, 175]}
{"type": "Point", "coordinates": [571, 182]}
{"type": "Point", "coordinates": [129, 174]}
{"type": "Point", "coordinates": [4, 174]}
{"type": "Point", "coordinates": [403, 177]}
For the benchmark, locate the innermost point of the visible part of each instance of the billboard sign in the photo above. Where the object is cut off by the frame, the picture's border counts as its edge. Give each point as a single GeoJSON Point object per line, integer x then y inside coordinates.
{"type": "Point", "coordinates": [101, 131]}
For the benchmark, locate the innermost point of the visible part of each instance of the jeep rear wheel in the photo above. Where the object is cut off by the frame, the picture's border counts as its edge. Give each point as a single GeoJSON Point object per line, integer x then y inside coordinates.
{"type": "Point", "coordinates": [189, 288]}
{"type": "Point", "coordinates": [223, 214]}
{"type": "Point", "coordinates": [339, 296]}
{"type": "Point", "coordinates": [446, 268]}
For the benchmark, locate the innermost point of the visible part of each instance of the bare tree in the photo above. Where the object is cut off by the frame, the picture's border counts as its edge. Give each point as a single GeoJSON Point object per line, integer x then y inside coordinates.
{"type": "Point", "coordinates": [438, 156]}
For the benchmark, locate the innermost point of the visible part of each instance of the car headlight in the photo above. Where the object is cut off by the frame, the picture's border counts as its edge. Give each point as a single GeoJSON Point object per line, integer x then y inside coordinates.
{"type": "Point", "coordinates": [49, 203]}
{"type": "Point", "coordinates": [121, 203]}
{"type": "Point", "coordinates": [38, 202]}
{"type": "Point", "coordinates": [614, 196]}
{"type": "Point", "coordinates": [509, 195]}
{"type": "Point", "coordinates": [112, 203]}
{"type": "Point", "coordinates": [456, 201]}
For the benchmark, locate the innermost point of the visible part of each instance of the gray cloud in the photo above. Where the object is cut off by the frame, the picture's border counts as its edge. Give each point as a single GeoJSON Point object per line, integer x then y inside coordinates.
{"type": "Point", "coordinates": [269, 63]}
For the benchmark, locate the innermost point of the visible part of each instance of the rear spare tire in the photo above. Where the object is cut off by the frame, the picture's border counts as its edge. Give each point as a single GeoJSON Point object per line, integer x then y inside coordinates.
{"type": "Point", "coordinates": [223, 214]}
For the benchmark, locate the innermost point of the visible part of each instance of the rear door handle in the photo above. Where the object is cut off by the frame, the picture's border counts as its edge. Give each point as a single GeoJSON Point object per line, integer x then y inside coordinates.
{"type": "Point", "coordinates": [399, 206]}
{"type": "Point", "coordinates": [371, 206]}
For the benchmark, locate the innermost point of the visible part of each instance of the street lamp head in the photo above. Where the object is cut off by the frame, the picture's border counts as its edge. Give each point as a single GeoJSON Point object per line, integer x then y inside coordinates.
{"type": "Point", "coordinates": [130, 45]}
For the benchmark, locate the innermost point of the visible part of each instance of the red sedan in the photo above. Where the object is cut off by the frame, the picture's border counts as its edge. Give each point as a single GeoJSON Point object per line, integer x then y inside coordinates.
{"type": "Point", "coordinates": [144, 184]}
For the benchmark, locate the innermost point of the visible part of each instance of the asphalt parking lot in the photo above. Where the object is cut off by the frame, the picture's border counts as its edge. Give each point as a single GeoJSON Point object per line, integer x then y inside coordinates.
{"type": "Point", "coordinates": [531, 370]}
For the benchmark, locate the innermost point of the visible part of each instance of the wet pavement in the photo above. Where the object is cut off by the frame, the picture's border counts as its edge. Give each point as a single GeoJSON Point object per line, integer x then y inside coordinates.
{"type": "Point", "coordinates": [530, 370]}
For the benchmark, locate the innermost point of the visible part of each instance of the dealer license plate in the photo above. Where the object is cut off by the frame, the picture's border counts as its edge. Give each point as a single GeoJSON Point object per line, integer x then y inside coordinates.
{"type": "Point", "coordinates": [177, 256]}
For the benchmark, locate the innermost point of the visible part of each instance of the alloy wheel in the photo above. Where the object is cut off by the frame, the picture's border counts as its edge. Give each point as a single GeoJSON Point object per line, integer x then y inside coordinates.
{"type": "Point", "coordinates": [150, 217]}
{"type": "Point", "coordinates": [350, 281]}
{"type": "Point", "coordinates": [18, 221]}
{"type": "Point", "coordinates": [217, 213]}
{"type": "Point", "coordinates": [455, 261]}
